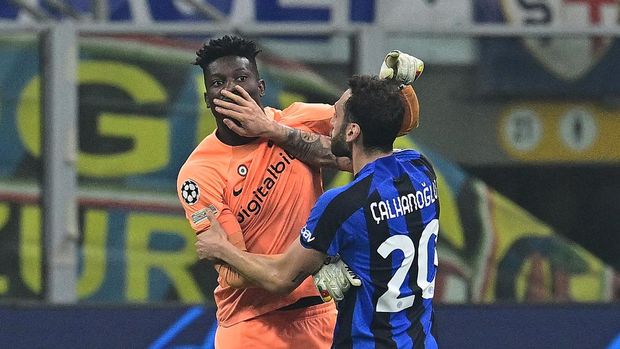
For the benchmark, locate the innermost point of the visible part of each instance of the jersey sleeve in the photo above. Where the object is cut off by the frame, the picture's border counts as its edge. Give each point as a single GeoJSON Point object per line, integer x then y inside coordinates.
{"type": "Point", "coordinates": [201, 193]}
{"type": "Point", "coordinates": [322, 230]}
{"type": "Point", "coordinates": [313, 117]}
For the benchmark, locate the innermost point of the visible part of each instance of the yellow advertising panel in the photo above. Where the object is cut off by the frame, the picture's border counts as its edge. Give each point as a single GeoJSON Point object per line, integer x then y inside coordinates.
{"type": "Point", "coordinates": [560, 132]}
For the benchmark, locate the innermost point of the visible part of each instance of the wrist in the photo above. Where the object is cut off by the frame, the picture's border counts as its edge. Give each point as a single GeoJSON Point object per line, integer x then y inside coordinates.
{"type": "Point", "coordinates": [218, 252]}
{"type": "Point", "coordinates": [225, 251]}
{"type": "Point", "coordinates": [276, 132]}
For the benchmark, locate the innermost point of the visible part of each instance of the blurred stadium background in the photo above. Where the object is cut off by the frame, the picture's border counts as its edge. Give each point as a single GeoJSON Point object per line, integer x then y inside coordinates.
{"type": "Point", "coordinates": [100, 106]}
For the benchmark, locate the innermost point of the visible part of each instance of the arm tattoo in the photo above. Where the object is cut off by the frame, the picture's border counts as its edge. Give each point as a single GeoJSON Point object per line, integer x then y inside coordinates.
{"type": "Point", "coordinates": [311, 148]}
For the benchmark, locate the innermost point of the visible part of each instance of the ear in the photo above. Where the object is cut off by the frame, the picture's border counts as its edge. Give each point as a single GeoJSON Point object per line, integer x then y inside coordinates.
{"type": "Point", "coordinates": [353, 132]}
{"type": "Point", "coordinates": [206, 100]}
{"type": "Point", "coordinates": [261, 87]}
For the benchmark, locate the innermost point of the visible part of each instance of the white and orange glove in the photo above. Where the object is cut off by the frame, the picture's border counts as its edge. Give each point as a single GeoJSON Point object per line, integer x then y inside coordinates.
{"type": "Point", "coordinates": [334, 279]}
{"type": "Point", "coordinates": [401, 67]}
{"type": "Point", "coordinates": [405, 69]}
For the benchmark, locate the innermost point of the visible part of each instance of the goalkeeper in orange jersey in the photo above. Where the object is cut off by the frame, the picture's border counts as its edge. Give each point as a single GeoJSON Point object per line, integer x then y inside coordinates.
{"type": "Point", "coordinates": [259, 174]}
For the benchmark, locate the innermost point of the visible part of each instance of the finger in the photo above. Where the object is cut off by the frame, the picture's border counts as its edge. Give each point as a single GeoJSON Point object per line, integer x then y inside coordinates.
{"type": "Point", "coordinates": [351, 276]}
{"type": "Point", "coordinates": [354, 280]}
{"type": "Point", "coordinates": [199, 252]}
{"type": "Point", "coordinates": [214, 223]}
{"type": "Point", "coordinates": [338, 294]}
{"type": "Point", "coordinates": [246, 96]}
{"type": "Point", "coordinates": [327, 297]}
{"type": "Point", "coordinates": [234, 127]}
{"type": "Point", "coordinates": [242, 99]}
{"type": "Point", "coordinates": [226, 104]}
{"type": "Point", "coordinates": [230, 113]}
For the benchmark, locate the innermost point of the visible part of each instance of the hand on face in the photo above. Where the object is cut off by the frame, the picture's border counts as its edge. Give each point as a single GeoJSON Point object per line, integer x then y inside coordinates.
{"type": "Point", "coordinates": [249, 115]}
{"type": "Point", "coordinates": [210, 242]}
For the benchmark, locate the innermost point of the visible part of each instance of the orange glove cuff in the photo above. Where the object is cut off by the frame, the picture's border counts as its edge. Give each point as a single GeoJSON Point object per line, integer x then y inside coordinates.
{"type": "Point", "coordinates": [411, 118]}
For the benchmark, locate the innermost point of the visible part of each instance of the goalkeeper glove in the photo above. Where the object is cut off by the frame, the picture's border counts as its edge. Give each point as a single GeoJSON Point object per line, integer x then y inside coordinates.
{"type": "Point", "coordinates": [402, 67]}
{"type": "Point", "coordinates": [334, 279]}
{"type": "Point", "coordinates": [405, 69]}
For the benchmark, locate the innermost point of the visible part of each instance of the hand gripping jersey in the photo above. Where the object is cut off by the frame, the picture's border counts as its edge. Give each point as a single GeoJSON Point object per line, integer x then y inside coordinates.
{"type": "Point", "coordinates": [384, 225]}
{"type": "Point", "coordinates": [261, 190]}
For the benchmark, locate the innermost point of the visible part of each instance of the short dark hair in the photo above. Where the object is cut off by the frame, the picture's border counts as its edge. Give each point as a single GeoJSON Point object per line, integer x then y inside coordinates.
{"type": "Point", "coordinates": [226, 46]}
{"type": "Point", "coordinates": [376, 106]}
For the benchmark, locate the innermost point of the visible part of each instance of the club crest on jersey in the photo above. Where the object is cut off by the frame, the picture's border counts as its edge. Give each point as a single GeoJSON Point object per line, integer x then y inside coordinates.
{"type": "Point", "coordinates": [567, 58]}
{"type": "Point", "coordinates": [242, 170]}
{"type": "Point", "coordinates": [190, 192]}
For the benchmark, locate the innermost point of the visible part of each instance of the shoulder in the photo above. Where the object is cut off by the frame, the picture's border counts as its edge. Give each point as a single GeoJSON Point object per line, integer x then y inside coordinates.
{"type": "Point", "coordinates": [206, 165]}
{"type": "Point", "coordinates": [406, 154]}
{"type": "Point", "coordinates": [302, 112]}
{"type": "Point", "coordinates": [352, 194]}
{"type": "Point", "coordinates": [418, 159]}
{"type": "Point", "coordinates": [411, 155]}
{"type": "Point", "coordinates": [301, 108]}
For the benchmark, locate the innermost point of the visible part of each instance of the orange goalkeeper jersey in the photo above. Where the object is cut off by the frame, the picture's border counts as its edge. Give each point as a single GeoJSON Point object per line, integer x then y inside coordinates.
{"type": "Point", "coordinates": [261, 190]}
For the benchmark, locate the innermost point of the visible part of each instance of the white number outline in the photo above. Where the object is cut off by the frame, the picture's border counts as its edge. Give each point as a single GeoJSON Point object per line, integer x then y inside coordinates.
{"type": "Point", "coordinates": [389, 301]}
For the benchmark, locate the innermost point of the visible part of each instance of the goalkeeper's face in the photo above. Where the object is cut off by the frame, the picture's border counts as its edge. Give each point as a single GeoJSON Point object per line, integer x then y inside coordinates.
{"type": "Point", "coordinates": [225, 73]}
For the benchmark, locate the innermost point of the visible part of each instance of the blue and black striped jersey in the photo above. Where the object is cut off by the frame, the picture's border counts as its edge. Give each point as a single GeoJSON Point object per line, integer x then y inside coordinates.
{"type": "Point", "coordinates": [384, 225]}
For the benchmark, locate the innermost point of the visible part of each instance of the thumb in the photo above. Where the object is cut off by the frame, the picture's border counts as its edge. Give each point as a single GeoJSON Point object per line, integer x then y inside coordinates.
{"type": "Point", "coordinates": [391, 59]}
{"type": "Point", "coordinates": [211, 216]}
{"type": "Point", "coordinates": [353, 279]}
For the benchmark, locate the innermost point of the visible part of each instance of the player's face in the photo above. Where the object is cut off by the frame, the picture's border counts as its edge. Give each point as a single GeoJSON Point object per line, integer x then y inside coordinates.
{"type": "Point", "coordinates": [225, 73]}
{"type": "Point", "coordinates": [340, 147]}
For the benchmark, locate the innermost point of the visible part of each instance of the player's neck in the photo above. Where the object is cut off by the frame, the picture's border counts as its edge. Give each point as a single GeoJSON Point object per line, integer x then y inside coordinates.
{"type": "Point", "coordinates": [228, 137]}
{"type": "Point", "coordinates": [361, 158]}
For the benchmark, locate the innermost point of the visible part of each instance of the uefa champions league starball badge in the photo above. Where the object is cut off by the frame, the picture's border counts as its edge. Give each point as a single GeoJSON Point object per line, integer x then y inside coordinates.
{"type": "Point", "coordinates": [190, 192]}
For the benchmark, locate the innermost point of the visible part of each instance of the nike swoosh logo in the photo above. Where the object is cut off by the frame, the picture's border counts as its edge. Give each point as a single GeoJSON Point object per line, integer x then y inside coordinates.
{"type": "Point", "coordinates": [237, 192]}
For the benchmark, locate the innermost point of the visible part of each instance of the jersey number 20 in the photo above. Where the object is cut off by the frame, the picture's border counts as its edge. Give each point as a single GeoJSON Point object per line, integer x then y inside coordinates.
{"type": "Point", "coordinates": [389, 301]}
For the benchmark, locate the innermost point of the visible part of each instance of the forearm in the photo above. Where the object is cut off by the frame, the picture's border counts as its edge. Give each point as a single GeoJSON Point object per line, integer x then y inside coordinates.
{"type": "Point", "coordinates": [275, 273]}
{"type": "Point", "coordinates": [268, 272]}
{"type": "Point", "coordinates": [311, 148]}
{"type": "Point", "coordinates": [230, 277]}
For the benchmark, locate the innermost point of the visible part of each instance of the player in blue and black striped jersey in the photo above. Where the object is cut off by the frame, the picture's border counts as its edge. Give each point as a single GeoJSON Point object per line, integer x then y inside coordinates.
{"type": "Point", "coordinates": [384, 226]}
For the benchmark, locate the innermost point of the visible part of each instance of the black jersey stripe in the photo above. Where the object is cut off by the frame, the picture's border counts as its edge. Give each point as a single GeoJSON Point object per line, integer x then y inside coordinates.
{"type": "Point", "coordinates": [425, 165]}
{"type": "Point", "coordinates": [342, 337]}
{"type": "Point", "coordinates": [339, 210]}
{"type": "Point", "coordinates": [416, 331]}
{"type": "Point", "coordinates": [415, 226]}
{"type": "Point", "coordinates": [380, 275]}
